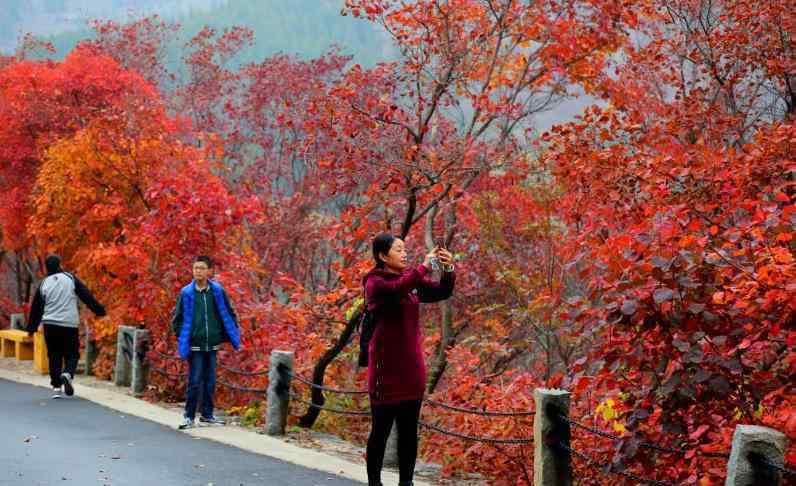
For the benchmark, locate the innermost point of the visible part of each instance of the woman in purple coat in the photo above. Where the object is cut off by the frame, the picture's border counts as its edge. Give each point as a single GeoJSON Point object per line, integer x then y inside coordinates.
{"type": "Point", "coordinates": [397, 369]}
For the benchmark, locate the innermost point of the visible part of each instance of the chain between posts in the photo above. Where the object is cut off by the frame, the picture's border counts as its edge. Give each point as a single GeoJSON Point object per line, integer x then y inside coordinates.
{"type": "Point", "coordinates": [324, 388]}
{"type": "Point", "coordinates": [645, 445]}
{"type": "Point", "coordinates": [595, 464]}
{"type": "Point", "coordinates": [423, 424]}
{"type": "Point", "coordinates": [359, 413]}
{"type": "Point", "coordinates": [436, 428]}
{"type": "Point", "coordinates": [483, 413]}
{"type": "Point", "coordinates": [220, 365]}
{"type": "Point", "coordinates": [242, 388]}
{"type": "Point", "coordinates": [231, 386]}
{"type": "Point", "coordinates": [168, 374]}
{"type": "Point", "coordinates": [299, 378]}
{"type": "Point", "coordinates": [241, 372]}
{"type": "Point", "coordinates": [472, 438]}
{"type": "Point", "coordinates": [785, 471]}
{"type": "Point", "coordinates": [164, 355]}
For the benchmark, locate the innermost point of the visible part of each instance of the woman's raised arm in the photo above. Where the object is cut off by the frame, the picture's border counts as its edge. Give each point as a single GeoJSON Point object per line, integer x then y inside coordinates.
{"type": "Point", "coordinates": [377, 287]}
{"type": "Point", "coordinates": [429, 291]}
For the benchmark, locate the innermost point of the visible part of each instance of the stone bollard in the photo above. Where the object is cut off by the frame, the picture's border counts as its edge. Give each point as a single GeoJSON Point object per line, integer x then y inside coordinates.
{"type": "Point", "coordinates": [279, 369]}
{"type": "Point", "coordinates": [391, 452]}
{"type": "Point", "coordinates": [750, 444]}
{"type": "Point", "coordinates": [140, 363]}
{"type": "Point", "coordinates": [91, 355]}
{"type": "Point", "coordinates": [91, 352]}
{"type": "Point", "coordinates": [552, 466]}
{"type": "Point", "coordinates": [132, 367]}
{"type": "Point", "coordinates": [124, 356]}
{"type": "Point", "coordinates": [17, 322]}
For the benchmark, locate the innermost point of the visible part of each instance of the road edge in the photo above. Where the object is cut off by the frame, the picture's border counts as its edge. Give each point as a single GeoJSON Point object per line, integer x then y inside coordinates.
{"type": "Point", "coordinates": [234, 436]}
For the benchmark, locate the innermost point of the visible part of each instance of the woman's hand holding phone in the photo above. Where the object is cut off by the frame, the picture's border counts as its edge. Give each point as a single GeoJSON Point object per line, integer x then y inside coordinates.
{"type": "Point", "coordinates": [446, 259]}
{"type": "Point", "coordinates": [428, 261]}
{"type": "Point", "coordinates": [443, 256]}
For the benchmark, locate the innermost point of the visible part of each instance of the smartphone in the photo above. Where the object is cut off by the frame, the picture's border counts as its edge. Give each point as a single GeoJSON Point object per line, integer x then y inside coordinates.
{"type": "Point", "coordinates": [435, 263]}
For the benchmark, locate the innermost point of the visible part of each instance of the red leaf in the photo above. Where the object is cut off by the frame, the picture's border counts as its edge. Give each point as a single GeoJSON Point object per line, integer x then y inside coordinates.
{"type": "Point", "coordinates": [698, 432]}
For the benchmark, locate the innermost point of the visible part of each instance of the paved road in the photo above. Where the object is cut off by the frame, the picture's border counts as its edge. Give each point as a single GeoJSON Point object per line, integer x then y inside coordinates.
{"type": "Point", "coordinates": [75, 442]}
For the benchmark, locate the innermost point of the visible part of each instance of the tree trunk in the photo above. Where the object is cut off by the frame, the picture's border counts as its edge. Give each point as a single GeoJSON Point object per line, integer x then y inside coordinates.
{"type": "Point", "coordinates": [446, 342]}
{"type": "Point", "coordinates": [309, 418]}
{"type": "Point", "coordinates": [28, 285]}
{"type": "Point", "coordinates": [447, 337]}
{"type": "Point", "coordinates": [18, 272]}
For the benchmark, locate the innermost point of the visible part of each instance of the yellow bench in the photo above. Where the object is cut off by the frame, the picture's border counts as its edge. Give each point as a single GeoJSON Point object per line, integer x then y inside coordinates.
{"type": "Point", "coordinates": [14, 342]}
{"type": "Point", "coordinates": [41, 363]}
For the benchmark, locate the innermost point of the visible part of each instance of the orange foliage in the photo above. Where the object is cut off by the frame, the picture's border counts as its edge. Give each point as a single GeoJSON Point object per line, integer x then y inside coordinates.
{"type": "Point", "coordinates": [640, 255]}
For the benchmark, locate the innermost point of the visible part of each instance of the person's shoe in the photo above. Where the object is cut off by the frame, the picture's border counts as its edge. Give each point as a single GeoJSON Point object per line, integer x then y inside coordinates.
{"type": "Point", "coordinates": [211, 421]}
{"type": "Point", "coordinates": [407, 483]}
{"type": "Point", "coordinates": [186, 423]}
{"type": "Point", "coordinates": [66, 378]}
{"type": "Point", "coordinates": [56, 392]}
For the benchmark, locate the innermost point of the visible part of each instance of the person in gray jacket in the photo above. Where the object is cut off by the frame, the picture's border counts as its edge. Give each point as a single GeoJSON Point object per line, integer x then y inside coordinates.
{"type": "Point", "coordinates": [55, 306]}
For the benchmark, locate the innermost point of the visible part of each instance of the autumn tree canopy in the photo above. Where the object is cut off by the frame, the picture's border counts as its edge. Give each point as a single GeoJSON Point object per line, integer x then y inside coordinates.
{"type": "Point", "coordinates": [639, 254]}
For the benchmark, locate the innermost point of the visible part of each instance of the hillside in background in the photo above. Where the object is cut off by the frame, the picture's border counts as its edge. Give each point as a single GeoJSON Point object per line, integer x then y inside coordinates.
{"type": "Point", "coordinates": [303, 27]}
{"type": "Point", "coordinates": [306, 28]}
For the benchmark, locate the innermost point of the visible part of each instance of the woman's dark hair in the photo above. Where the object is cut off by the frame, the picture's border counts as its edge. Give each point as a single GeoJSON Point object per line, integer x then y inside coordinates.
{"type": "Point", "coordinates": [381, 246]}
{"type": "Point", "coordinates": [53, 264]}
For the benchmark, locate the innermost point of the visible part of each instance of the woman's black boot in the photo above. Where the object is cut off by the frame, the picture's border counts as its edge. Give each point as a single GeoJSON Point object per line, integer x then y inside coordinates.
{"type": "Point", "coordinates": [406, 483]}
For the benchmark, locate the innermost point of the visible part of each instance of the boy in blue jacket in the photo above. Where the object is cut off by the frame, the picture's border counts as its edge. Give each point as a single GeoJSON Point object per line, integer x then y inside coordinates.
{"type": "Point", "coordinates": [203, 319]}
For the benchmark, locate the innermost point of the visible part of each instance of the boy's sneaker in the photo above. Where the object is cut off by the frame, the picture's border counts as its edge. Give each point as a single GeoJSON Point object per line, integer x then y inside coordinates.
{"type": "Point", "coordinates": [56, 393]}
{"type": "Point", "coordinates": [211, 421]}
{"type": "Point", "coordinates": [66, 378]}
{"type": "Point", "coordinates": [186, 423]}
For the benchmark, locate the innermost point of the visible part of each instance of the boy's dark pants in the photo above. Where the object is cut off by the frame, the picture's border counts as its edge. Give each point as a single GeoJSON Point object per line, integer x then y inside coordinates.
{"type": "Point", "coordinates": [63, 346]}
{"type": "Point", "coordinates": [201, 375]}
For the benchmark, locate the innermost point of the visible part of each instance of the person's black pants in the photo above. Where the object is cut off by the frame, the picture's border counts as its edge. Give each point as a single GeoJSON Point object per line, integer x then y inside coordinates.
{"type": "Point", "coordinates": [406, 416]}
{"type": "Point", "coordinates": [63, 351]}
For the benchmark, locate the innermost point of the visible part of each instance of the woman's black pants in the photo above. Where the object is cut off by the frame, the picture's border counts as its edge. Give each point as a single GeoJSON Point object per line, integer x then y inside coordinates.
{"type": "Point", "coordinates": [406, 416]}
